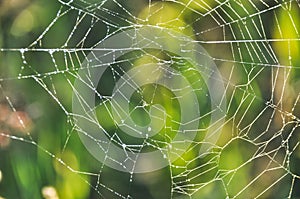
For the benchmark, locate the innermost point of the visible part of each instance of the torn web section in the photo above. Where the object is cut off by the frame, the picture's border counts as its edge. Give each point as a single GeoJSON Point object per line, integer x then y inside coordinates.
{"type": "Point", "coordinates": [88, 78]}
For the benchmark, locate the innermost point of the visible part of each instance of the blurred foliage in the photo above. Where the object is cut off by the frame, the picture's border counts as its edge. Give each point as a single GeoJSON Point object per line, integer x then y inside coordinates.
{"type": "Point", "coordinates": [54, 163]}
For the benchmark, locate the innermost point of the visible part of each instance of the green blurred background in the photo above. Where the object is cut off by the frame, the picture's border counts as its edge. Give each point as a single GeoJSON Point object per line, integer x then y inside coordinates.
{"type": "Point", "coordinates": [258, 153]}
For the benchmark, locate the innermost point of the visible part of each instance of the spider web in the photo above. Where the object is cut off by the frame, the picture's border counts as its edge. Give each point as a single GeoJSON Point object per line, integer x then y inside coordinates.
{"type": "Point", "coordinates": [255, 46]}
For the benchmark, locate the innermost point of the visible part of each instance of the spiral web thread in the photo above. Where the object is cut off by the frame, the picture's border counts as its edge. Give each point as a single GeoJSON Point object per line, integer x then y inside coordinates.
{"type": "Point", "coordinates": [251, 48]}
